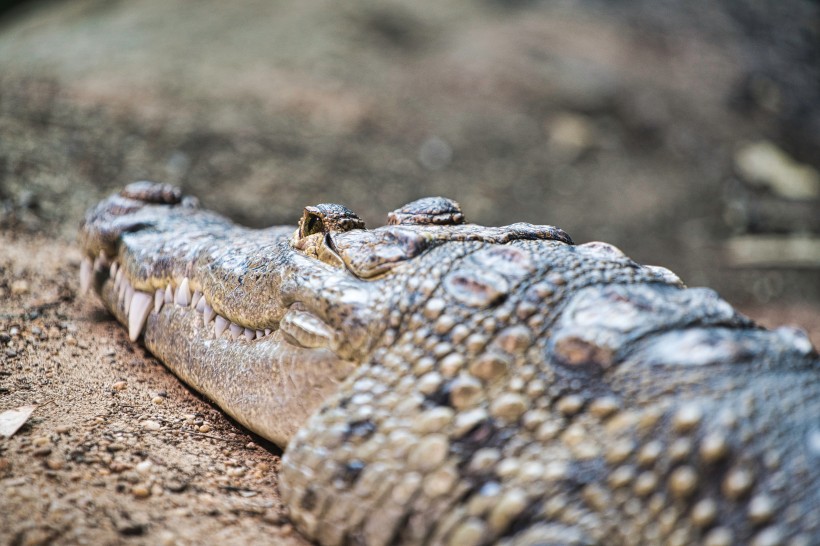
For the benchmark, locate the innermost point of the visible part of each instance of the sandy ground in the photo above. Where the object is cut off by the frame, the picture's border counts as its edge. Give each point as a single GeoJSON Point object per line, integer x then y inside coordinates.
{"type": "Point", "coordinates": [118, 450]}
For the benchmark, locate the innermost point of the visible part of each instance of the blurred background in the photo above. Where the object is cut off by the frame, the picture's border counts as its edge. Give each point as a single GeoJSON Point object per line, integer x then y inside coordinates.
{"type": "Point", "coordinates": [685, 133]}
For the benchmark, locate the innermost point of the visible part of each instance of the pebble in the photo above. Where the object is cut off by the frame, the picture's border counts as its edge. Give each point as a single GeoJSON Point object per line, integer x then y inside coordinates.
{"type": "Point", "coordinates": [119, 386]}
{"type": "Point", "coordinates": [150, 425]}
{"type": "Point", "coordinates": [54, 464]}
{"type": "Point", "coordinates": [205, 428]}
{"type": "Point", "coordinates": [19, 287]}
{"type": "Point", "coordinates": [144, 467]}
{"type": "Point", "coordinates": [141, 491]}
{"type": "Point", "coordinates": [157, 400]}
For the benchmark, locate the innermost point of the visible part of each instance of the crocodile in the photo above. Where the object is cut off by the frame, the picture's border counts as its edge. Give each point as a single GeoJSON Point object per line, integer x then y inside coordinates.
{"type": "Point", "coordinates": [438, 382]}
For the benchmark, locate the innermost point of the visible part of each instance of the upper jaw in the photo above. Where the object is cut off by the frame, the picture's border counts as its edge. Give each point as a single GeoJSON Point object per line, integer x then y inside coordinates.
{"type": "Point", "coordinates": [142, 255]}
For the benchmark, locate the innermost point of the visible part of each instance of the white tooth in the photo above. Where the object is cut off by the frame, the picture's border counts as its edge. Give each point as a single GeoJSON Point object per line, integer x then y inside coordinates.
{"type": "Point", "coordinates": [260, 333]}
{"type": "Point", "coordinates": [103, 257]}
{"type": "Point", "coordinates": [236, 330]}
{"type": "Point", "coordinates": [183, 295]}
{"type": "Point", "coordinates": [118, 279]}
{"type": "Point", "coordinates": [121, 290]}
{"type": "Point", "coordinates": [138, 314]}
{"type": "Point", "coordinates": [113, 271]}
{"type": "Point", "coordinates": [169, 294]}
{"type": "Point", "coordinates": [268, 331]}
{"type": "Point", "coordinates": [200, 302]}
{"type": "Point", "coordinates": [98, 264]}
{"type": "Point", "coordinates": [159, 300]}
{"type": "Point", "coordinates": [85, 275]}
{"type": "Point", "coordinates": [129, 295]}
{"type": "Point", "coordinates": [250, 334]}
{"type": "Point", "coordinates": [220, 325]}
{"type": "Point", "coordinates": [208, 313]}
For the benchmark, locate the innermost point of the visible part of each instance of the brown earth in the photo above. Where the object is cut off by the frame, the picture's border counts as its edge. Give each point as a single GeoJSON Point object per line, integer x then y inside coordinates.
{"type": "Point", "coordinates": [118, 450]}
{"type": "Point", "coordinates": [616, 121]}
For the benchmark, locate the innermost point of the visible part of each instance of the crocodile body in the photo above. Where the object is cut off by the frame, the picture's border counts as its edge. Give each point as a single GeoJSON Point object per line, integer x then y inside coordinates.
{"type": "Point", "coordinates": [436, 382]}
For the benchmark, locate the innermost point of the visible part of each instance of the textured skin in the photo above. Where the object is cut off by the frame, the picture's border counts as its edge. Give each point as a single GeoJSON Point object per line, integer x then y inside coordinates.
{"type": "Point", "coordinates": [479, 385]}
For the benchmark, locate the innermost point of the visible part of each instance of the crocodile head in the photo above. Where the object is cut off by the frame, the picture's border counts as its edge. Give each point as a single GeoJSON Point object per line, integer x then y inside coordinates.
{"type": "Point", "coordinates": [267, 322]}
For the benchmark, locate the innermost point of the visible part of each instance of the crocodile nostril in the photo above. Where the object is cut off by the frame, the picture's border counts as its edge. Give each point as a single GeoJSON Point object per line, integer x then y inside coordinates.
{"type": "Point", "coordinates": [428, 210]}
{"type": "Point", "coordinates": [153, 192]}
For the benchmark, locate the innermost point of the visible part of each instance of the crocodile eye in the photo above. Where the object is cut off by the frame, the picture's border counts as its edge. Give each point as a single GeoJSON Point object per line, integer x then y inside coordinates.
{"type": "Point", "coordinates": [312, 223]}
{"type": "Point", "coordinates": [429, 210]}
{"type": "Point", "coordinates": [328, 218]}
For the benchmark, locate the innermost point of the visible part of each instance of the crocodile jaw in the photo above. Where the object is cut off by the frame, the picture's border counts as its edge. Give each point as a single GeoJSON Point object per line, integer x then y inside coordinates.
{"type": "Point", "coordinates": [268, 384]}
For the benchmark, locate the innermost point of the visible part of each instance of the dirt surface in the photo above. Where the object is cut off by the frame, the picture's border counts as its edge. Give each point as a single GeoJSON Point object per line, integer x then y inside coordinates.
{"type": "Point", "coordinates": [118, 450]}
{"type": "Point", "coordinates": [615, 121]}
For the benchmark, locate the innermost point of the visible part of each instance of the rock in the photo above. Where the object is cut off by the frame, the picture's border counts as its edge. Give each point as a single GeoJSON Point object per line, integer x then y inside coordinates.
{"type": "Point", "coordinates": [764, 164]}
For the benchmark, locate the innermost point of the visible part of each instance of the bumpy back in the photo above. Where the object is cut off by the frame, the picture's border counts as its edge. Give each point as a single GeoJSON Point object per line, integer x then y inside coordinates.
{"type": "Point", "coordinates": [543, 393]}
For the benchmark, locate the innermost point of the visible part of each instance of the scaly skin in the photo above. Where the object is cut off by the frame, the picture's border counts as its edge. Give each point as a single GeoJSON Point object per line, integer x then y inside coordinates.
{"type": "Point", "coordinates": [436, 382]}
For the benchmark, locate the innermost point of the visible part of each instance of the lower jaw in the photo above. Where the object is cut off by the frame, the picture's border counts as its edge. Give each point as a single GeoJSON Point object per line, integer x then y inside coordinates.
{"type": "Point", "coordinates": [268, 385]}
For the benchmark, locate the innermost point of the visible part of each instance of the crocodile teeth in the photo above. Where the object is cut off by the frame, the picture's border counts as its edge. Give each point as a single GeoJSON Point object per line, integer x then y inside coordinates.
{"type": "Point", "coordinates": [129, 295]}
{"type": "Point", "coordinates": [268, 331]}
{"type": "Point", "coordinates": [138, 313]}
{"type": "Point", "coordinates": [85, 275]}
{"type": "Point", "coordinates": [159, 300]}
{"type": "Point", "coordinates": [183, 295]}
{"type": "Point", "coordinates": [260, 333]}
{"type": "Point", "coordinates": [113, 271]}
{"type": "Point", "coordinates": [208, 313]}
{"type": "Point", "coordinates": [118, 280]}
{"type": "Point", "coordinates": [220, 325]}
{"type": "Point", "coordinates": [236, 330]}
{"type": "Point", "coordinates": [200, 302]}
{"type": "Point", "coordinates": [169, 294]}
{"type": "Point", "coordinates": [121, 291]}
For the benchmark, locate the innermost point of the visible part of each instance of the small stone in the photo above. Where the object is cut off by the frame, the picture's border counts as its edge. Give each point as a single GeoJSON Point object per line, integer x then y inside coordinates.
{"type": "Point", "coordinates": [176, 486]}
{"type": "Point", "coordinates": [205, 428]}
{"type": "Point", "coordinates": [144, 467]}
{"type": "Point", "coordinates": [54, 464]}
{"type": "Point", "coordinates": [42, 451]}
{"type": "Point", "coordinates": [19, 287]}
{"type": "Point", "coordinates": [119, 386]}
{"type": "Point", "coordinates": [141, 491]}
{"type": "Point", "coordinates": [151, 425]}
{"type": "Point", "coordinates": [157, 400]}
